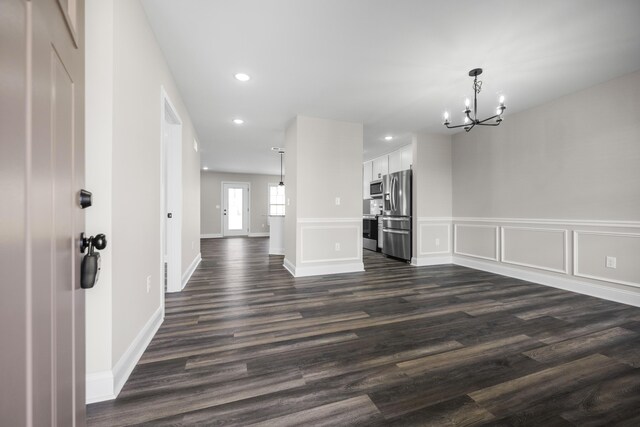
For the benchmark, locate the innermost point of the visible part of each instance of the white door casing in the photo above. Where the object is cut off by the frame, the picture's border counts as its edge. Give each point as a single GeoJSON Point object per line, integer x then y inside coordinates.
{"type": "Point", "coordinates": [171, 194]}
{"type": "Point", "coordinates": [236, 208]}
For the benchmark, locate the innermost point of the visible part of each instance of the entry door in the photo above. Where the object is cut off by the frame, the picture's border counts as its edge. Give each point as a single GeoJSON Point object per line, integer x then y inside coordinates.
{"type": "Point", "coordinates": [235, 213]}
{"type": "Point", "coordinates": [42, 163]}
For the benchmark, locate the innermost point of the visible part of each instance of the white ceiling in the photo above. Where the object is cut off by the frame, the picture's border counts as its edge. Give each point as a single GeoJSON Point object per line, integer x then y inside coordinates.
{"type": "Point", "coordinates": [394, 65]}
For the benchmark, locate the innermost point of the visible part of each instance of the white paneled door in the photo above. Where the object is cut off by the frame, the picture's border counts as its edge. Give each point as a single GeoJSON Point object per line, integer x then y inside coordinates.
{"type": "Point", "coordinates": [236, 209]}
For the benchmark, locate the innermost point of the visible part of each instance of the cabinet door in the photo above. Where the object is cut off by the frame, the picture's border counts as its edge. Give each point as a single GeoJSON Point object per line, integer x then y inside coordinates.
{"type": "Point", "coordinates": [367, 173]}
{"type": "Point", "coordinates": [406, 157]}
{"type": "Point", "coordinates": [395, 162]}
{"type": "Point", "coordinates": [380, 167]}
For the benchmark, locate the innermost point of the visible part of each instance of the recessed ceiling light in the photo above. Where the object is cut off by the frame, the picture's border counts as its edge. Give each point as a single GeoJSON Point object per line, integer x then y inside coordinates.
{"type": "Point", "coordinates": [205, 168]}
{"type": "Point", "coordinates": [388, 138]}
{"type": "Point", "coordinates": [238, 121]}
{"type": "Point", "coordinates": [242, 77]}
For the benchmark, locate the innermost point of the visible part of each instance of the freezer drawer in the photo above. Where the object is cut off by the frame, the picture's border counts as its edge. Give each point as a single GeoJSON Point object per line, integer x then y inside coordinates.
{"type": "Point", "coordinates": [396, 243]}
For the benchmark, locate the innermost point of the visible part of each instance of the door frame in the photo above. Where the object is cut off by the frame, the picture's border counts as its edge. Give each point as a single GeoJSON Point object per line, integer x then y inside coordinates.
{"type": "Point", "coordinates": [170, 193]}
{"type": "Point", "coordinates": [222, 196]}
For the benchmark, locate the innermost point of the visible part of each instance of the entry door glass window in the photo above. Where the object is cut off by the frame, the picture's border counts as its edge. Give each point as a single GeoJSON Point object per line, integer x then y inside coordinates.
{"type": "Point", "coordinates": [235, 209]}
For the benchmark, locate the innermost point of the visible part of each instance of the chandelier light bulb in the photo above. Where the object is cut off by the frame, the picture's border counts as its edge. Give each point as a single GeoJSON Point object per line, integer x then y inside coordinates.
{"type": "Point", "coordinates": [467, 102]}
{"type": "Point", "coordinates": [446, 115]}
{"type": "Point", "coordinates": [466, 119]}
{"type": "Point", "coordinates": [501, 100]}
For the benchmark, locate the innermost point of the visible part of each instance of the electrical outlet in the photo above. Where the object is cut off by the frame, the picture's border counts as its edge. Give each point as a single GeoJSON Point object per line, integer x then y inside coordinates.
{"type": "Point", "coordinates": [337, 201]}
{"type": "Point", "coordinates": [148, 284]}
{"type": "Point", "coordinates": [337, 247]}
{"type": "Point", "coordinates": [437, 242]}
{"type": "Point", "coordinates": [611, 262]}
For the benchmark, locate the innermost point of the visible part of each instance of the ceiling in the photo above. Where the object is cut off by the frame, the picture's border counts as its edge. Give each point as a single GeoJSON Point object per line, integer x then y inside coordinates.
{"type": "Point", "coordinates": [393, 65]}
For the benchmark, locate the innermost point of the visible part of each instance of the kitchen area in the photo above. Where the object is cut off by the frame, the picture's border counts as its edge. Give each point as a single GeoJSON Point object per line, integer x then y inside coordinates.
{"type": "Point", "coordinates": [387, 204]}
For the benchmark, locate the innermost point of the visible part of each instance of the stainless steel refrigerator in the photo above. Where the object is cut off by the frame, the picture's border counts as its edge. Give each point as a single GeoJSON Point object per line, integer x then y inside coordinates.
{"type": "Point", "coordinates": [396, 219]}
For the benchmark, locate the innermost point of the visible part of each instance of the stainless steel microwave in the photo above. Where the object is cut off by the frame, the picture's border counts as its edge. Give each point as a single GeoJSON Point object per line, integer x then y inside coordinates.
{"type": "Point", "coordinates": [375, 189]}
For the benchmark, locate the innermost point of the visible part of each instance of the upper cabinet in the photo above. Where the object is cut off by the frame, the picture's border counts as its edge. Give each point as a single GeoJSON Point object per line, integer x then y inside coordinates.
{"type": "Point", "coordinates": [367, 174]}
{"type": "Point", "coordinates": [395, 162]}
{"type": "Point", "coordinates": [406, 157]}
{"type": "Point", "coordinates": [380, 167]}
{"type": "Point", "coordinates": [399, 160]}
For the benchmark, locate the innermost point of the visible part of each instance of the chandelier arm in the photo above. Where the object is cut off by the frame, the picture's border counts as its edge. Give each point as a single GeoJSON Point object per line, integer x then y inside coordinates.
{"type": "Point", "coordinates": [457, 126]}
{"type": "Point", "coordinates": [487, 119]}
{"type": "Point", "coordinates": [489, 124]}
{"type": "Point", "coordinates": [470, 127]}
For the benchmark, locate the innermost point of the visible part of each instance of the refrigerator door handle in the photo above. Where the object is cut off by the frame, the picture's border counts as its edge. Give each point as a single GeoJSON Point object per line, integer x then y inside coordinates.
{"type": "Point", "coordinates": [389, 230]}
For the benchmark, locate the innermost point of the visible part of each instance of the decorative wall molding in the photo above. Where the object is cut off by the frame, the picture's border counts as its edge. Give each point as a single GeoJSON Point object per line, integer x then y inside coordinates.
{"type": "Point", "coordinates": [357, 242]}
{"type": "Point", "coordinates": [211, 236]}
{"type": "Point", "coordinates": [561, 282]}
{"type": "Point", "coordinates": [565, 249]}
{"type": "Point", "coordinates": [446, 219]}
{"type": "Point", "coordinates": [545, 221]}
{"type": "Point", "coordinates": [496, 244]}
{"type": "Point", "coordinates": [192, 267]}
{"type": "Point", "coordinates": [421, 225]}
{"type": "Point", "coordinates": [576, 248]}
{"type": "Point", "coordinates": [327, 220]}
{"type": "Point", "coordinates": [106, 385]}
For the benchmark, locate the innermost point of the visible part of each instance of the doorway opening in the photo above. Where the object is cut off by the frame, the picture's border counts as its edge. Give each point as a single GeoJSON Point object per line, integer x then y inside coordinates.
{"type": "Point", "coordinates": [236, 209]}
{"type": "Point", "coordinates": [171, 195]}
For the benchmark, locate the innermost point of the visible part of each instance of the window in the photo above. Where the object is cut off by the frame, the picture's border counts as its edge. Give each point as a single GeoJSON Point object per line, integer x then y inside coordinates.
{"type": "Point", "coordinates": [276, 199]}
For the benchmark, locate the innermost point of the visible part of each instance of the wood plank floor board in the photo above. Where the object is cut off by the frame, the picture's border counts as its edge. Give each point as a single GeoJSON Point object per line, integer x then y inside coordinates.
{"type": "Point", "coordinates": [421, 392]}
{"type": "Point", "coordinates": [245, 343]}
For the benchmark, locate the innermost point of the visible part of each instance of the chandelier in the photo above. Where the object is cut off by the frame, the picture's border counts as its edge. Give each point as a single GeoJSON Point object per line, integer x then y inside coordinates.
{"type": "Point", "coordinates": [471, 122]}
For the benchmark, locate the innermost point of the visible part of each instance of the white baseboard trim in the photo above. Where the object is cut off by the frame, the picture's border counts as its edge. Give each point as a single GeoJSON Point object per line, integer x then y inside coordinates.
{"type": "Point", "coordinates": [288, 265]}
{"type": "Point", "coordinates": [264, 234]}
{"type": "Point", "coordinates": [211, 236]}
{"type": "Point", "coordinates": [566, 283]}
{"type": "Point", "coordinates": [320, 270]}
{"type": "Point", "coordinates": [276, 251]}
{"type": "Point", "coordinates": [192, 267]}
{"type": "Point", "coordinates": [97, 383]}
{"type": "Point", "coordinates": [99, 387]}
{"type": "Point", "coordinates": [432, 260]}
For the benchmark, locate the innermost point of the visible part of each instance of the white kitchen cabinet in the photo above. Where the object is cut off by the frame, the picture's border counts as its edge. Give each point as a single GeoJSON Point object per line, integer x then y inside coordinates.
{"type": "Point", "coordinates": [406, 157]}
{"type": "Point", "coordinates": [367, 176]}
{"type": "Point", "coordinates": [395, 161]}
{"type": "Point", "coordinates": [380, 167]}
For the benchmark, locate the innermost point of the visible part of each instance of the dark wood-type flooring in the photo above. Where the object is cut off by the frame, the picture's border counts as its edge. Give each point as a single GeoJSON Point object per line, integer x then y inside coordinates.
{"type": "Point", "coordinates": [246, 344]}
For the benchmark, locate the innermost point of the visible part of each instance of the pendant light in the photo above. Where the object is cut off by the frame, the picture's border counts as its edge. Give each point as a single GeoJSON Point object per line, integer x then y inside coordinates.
{"type": "Point", "coordinates": [281, 152]}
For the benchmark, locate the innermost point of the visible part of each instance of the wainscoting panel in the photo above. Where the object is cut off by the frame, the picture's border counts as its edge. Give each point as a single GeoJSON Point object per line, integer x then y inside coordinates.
{"type": "Point", "coordinates": [591, 249]}
{"type": "Point", "coordinates": [327, 246]}
{"type": "Point", "coordinates": [433, 238]}
{"type": "Point", "coordinates": [543, 248]}
{"type": "Point", "coordinates": [477, 241]}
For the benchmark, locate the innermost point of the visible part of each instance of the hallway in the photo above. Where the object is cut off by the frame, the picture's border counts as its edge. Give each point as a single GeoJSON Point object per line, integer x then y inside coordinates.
{"type": "Point", "coordinates": [247, 343]}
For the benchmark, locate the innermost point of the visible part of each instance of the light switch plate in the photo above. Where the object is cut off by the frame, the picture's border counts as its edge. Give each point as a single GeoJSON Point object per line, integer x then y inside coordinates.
{"type": "Point", "coordinates": [337, 201]}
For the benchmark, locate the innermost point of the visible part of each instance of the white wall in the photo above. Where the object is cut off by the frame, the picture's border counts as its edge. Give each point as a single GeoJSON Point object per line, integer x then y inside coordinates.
{"type": "Point", "coordinates": [324, 159]}
{"type": "Point", "coordinates": [554, 190]}
{"type": "Point", "coordinates": [123, 121]}
{"type": "Point", "coordinates": [211, 201]}
{"type": "Point", "coordinates": [432, 199]}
